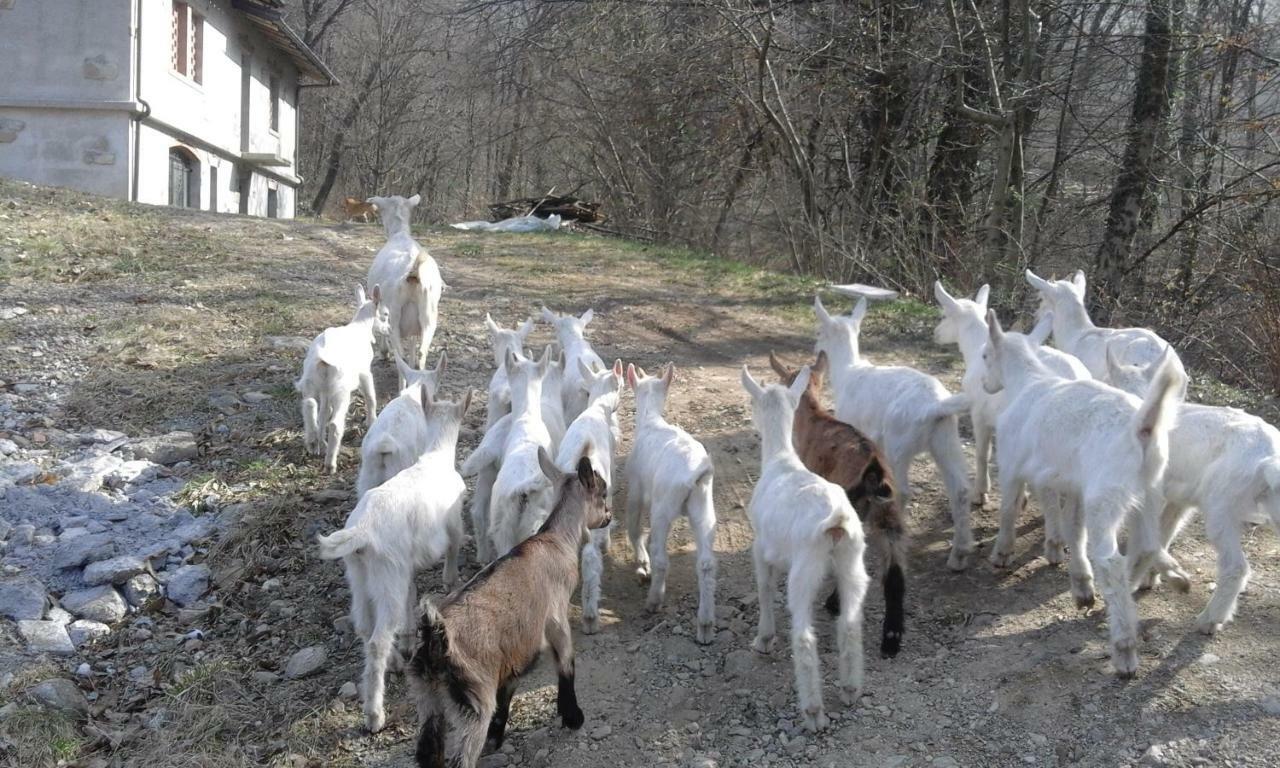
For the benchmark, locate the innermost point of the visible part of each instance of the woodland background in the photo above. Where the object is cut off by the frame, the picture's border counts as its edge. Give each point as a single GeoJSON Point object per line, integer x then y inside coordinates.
{"type": "Point", "coordinates": [889, 141]}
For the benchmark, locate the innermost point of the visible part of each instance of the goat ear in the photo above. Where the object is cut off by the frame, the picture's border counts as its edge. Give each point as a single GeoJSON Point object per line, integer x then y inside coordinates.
{"type": "Point", "coordinates": [548, 316]}
{"type": "Point", "coordinates": [361, 298]}
{"type": "Point", "coordinates": [1078, 282]}
{"type": "Point", "coordinates": [443, 362]}
{"type": "Point", "coordinates": [631, 375]}
{"type": "Point", "coordinates": [586, 472]}
{"type": "Point", "coordinates": [617, 369]}
{"type": "Point", "coordinates": [413, 201]}
{"type": "Point", "coordinates": [376, 294]}
{"type": "Point", "coordinates": [1040, 333]}
{"type": "Point", "coordinates": [490, 325]}
{"type": "Point", "coordinates": [509, 362]}
{"type": "Point", "coordinates": [669, 375]}
{"type": "Point", "coordinates": [544, 362]}
{"type": "Point", "coordinates": [748, 383]}
{"type": "Point", "coordinates": [403, 367]}
{"type": "Point", "coordinates": [944, 299]}
{"type": "Point", "coordinates": [1114, 365]}
{"type": "Point", "coordinates": [525, 328]}
{"type": "Point", "coordinates": [820, 311]}
{"type": "Point", "coordinates": [427, 402]}
{"type": "Point", "coordinates": [983, 294]}
{"type": "Point", "coordinates": [587, 316]}
{"type": "Point", "coordinates": [801, 383]}
{"type": "Point", "coordinates": [994, 331]}
{"type": "Point", "coordinates": [548, 466]}
{"type": "Point", "coordinates": [822, 364]}
{"type": "Point", "coordinates": [585, 370]}
{"type": "Point", "coordinates": [1037, 282]}
{"type": "Point", "coordinates": [465, 405]}
{"type": "Point", "coordinates": [777, 366]}
{"type": "Point", "coordinates": [859, 310]}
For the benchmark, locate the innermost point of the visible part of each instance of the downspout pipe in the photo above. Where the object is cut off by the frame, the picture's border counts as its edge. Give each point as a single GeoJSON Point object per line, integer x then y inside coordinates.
{"type": "Point", "coordinates": [137, 116]}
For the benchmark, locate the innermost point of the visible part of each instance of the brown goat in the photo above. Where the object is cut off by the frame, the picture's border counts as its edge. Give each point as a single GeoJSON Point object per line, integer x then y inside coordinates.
{"type": "Point", "coordinates": [474, 649]}
{"type": "Point", "coordinates": [843, 455]}
{"type": "Point", "coordinates": [355, 208]}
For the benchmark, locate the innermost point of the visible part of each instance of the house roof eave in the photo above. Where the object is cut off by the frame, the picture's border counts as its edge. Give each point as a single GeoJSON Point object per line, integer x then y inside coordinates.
{"type": "Point", "coordinates": [268, 17]}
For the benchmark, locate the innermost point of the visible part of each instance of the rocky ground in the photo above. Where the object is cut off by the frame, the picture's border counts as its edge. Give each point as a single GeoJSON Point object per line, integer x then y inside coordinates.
{"type": "Point", "coordinates": [157, 515]}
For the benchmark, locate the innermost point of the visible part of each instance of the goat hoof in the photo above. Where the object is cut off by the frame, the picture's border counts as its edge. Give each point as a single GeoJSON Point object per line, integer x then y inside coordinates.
{"type": "Point", "coordinates": [1179, 581]}
{"type": "Point", "coordinates": [1055, 552]}
{"type": "Point", "coordinates": [764, 644]}
{"type": "Point", "coordinates": [706, 632]}
{"type": "Point", "coordinates": [642, 573]}
{"type": "Point", "coordinates": [958, 560]}
{"type": "Point", "coordinates": [1208, 626]}
{"type": "Point", "coordinates": [1000, 559]}
{"type": "Point", "coordinates": [978, 500]}
{"type": "Point", "coordinates": [890, 644]}
{"type": "Point", "coordinates": [590, 625]}
{"type": "Point", "coordinates": [850, 696]}
{"type": "Point", "coordinates": [375, 721]}
{"type": "Point", "coordinates": [652, 606]}
{"type": "Point", "coordinates": [815, 720]}
{"type": "Point", "coordinates": [1124, 657]}
{"type": "Point", "coordinates": [573, 719]}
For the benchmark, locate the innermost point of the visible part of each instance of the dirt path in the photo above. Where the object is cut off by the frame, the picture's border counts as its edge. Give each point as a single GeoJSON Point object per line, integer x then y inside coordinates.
{"type": "Point", "coordinates": [997, 667]}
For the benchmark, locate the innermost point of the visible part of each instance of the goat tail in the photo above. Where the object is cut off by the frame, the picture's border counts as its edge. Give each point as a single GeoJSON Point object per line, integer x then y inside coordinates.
{"type": "Point", "coordinates": [699, 504]}
{"type": "Point", "coordinates": [342, 543]}
{"type": "Point", "coordinates": [1154, 419]}
{"type": "Point", "coordinates": [952, 406]}
{"type": "Point", "coordinates": [1270, 496]}
{"type": "Point", "coordinates": [842, 522]}
{"type": "Point", "coordinates": [420, 260]}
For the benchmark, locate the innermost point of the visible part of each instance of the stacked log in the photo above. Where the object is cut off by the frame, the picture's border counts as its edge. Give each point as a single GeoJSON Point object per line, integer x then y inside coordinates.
{"type": "Point", "coordinates": [568, 207]}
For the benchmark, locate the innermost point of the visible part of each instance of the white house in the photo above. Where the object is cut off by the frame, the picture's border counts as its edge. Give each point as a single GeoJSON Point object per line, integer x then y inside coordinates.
{"type": "Point", "coordinates": [190, 103]}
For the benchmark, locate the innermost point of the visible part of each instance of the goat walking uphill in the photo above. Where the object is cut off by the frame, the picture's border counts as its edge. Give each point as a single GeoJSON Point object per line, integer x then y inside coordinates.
{"type": "Point", "coordinates": [841, 454]}
{"type": "Point", "coordinates": [409, 522]}
{"type": "Point", "coordinates": [1225, 463]}
{"type": "Point", "coordinates": [669, 473]}
{"type": "Point", "coordinates": [807, 526]}
{"type": "Point", "coordinates": [570, 332]}
{"type": "Point", "coordinates": [400, 434]}
{"type": "Point", "coordinates": [595, 434]}
{"type": "Point", "coordinates": [410, 278]}
{"type": "Point", "coordinates": [905, 412]}
{"type": "Point", "coordinates": [521, 496]}
{"type": "Point", "coordinates": [1075, 333]}
{"type": "Point", "coordinates": [338, 362]}
{"type": "Point", "coordinates": [1104, 450]}
{"type": "Point", "coordinates": [482, 638]}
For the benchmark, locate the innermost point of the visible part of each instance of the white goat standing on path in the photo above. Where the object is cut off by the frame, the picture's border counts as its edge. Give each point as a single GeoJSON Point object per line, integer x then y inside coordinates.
{"type": "Point", "coordinates": [569, 332]}
{"type": "Point", "coordinates": [905, 412]}
{"type": "Point", "coordinates": [1226, 463]}
{"type": "Point", "coordinates": [521, 497]}
{"type": "Point", "coordinates": [1075, 333]}
{"type": "Point", "coordinates": [1102, 448]}
{"type": "Point", "coordinates": [399, 435]}
{"type": "Point", "coordinates": [595, 435]}
{"type": "Point", "coordinates": [338, 362]}
{"type": "Point", "coordinates": [407, 523]}
{"type": "Point", "coordinates": [805, 525]}
{"type": "Point", "coordinates": [410, 278]}
{"type": "Point", "coordinates": [669, 473]}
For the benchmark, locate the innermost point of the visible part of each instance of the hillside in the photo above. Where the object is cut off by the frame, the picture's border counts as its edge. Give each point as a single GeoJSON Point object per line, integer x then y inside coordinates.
{"type": "Point", "coordinates": [147, 321]}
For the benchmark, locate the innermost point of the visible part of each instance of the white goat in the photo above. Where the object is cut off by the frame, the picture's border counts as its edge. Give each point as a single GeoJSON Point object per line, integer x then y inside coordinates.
{"type": "Point", "coordinates": [1075, 333]}
{"type": "Point", "coordinates": [521, 497]}
{"type": "Point", "coordinates": [411, 279]}
{"type": "Point", "coordinates": [409, 522]}
{"type": "Point", "coordinates": [905, 412]}
{"type": "Point", "coordinates": [595, 435]}
{"type": "Point", "coordinates": [399, 435]}
{"type": "Point", "coordinates": [1104, 449]}
{"type": "Point", "coordinates": [569, 331]}
{"type": "Point", "coordinates": [669, 473]}
{"type": "Point", "coordinates": [338, 362]}
{"type": "Point", "coordinates": [805, 525]}
{"type": "Point", "coordinates": [1226, 463]}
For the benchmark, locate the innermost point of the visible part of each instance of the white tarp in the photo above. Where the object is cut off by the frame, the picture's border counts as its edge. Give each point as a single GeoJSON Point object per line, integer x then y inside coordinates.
{"type": "Point", "coordinates": [860, 290]}
{"type": "Point", "coordinates": [516, 224]}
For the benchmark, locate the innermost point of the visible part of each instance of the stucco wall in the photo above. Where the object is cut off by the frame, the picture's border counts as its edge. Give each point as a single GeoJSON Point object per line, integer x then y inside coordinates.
{"type": "Point", "coordinates": [83, 150]}
{"type": "Point", "coordinates": [65, 49]}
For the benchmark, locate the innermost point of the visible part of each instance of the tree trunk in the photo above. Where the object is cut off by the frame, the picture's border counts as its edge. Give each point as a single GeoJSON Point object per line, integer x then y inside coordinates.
{"type": "Point", "coordinates": [333, 163]}
{"type": "Point", "coordinates": [1150, 105]}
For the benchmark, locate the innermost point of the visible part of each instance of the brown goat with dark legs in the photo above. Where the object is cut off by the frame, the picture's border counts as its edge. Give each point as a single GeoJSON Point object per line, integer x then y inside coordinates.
{"type": "Point", "coordinates": [474, 648]}
{"type": "Point", "coordinates": [843, 455]}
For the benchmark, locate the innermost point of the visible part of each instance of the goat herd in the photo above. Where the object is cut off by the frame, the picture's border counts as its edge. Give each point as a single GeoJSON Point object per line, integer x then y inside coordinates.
{"type": "Point", "coordinates": [1096, 429]}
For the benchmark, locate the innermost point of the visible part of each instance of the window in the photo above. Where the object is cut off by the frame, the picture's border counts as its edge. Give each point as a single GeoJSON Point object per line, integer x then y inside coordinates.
{"type": "Point", "coordinates": [275, 103]}
{"type": "Point", "coordinates": [187, 50]}
{"type": "Point", "coordinates": [184, 179]}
